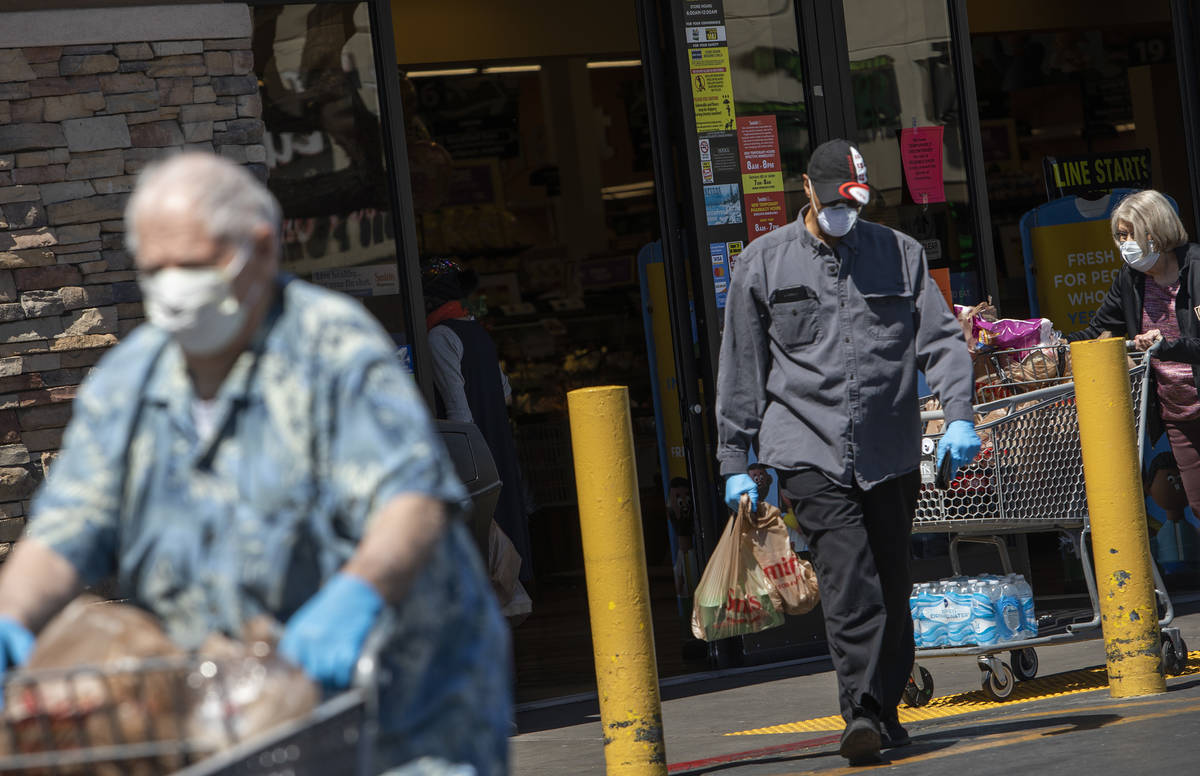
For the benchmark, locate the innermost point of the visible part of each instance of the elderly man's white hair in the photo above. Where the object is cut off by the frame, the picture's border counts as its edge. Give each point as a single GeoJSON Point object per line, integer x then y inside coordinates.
{"type": "Point", "coordinates": [225, 197]}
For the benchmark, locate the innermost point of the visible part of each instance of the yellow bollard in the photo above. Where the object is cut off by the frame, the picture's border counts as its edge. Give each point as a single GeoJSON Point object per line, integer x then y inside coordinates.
{"type": "Point", "coordinates": [610, 518]}
{"type": "Point", "coordinates": [1120, 545]}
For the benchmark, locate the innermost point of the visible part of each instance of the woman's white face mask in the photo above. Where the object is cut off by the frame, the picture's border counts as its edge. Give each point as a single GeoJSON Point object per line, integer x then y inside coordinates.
{"type": "Point", "coordinates": [197, 306]}
{"type": "Point", "coordinates": [1132, 253]}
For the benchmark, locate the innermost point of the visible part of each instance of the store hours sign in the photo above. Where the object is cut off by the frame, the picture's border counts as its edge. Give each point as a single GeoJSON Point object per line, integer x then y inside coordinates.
{"type": "Point", "coordinates": [718, 181]}
{"type": "Point", "coordinates": [738, 180]}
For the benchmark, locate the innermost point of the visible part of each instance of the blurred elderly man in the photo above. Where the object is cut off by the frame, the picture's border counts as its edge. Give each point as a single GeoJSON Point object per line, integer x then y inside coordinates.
{"type": "Point", "coordinates": [258, 449]}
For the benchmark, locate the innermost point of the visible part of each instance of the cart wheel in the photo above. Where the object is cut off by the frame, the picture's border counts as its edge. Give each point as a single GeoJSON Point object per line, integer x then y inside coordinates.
{"type": "Point", "coordinates": [1024, 663]}
{"type": "Point", "coordinates": [1172, 661]}
{"type": "Point", "coordinates": [998, 687]}
{"type": "Point", "coordinates": [915, 696]}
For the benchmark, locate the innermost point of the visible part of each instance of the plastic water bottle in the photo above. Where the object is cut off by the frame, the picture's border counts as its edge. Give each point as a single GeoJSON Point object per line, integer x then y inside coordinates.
{"type": "Point", "coordinates": [934, 632]}
{"type": "Point", "coordinates": [948, 618]}
{"type": "Point", "coordinates": [983, 612]}
{"type": "Point", "coordinates": [958, 614]}
{"type": "Point", "coordinates": [1028, 613]}
{"type": "Point", "coordinates": [1008, 609]}
{"type": "Point", "coordinates": [914, 607]}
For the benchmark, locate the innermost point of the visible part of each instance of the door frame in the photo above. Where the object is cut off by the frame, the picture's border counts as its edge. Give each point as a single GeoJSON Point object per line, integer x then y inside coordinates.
{"type": "Point", "coordinates": [1185, 17]}
{"type": "Point", "coordinates": [964, 80]}
{"type": "Point", "coordinates": [664, 115]}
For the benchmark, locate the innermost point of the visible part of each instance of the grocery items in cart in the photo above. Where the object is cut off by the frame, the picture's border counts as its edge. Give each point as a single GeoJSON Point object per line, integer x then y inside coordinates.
{"type": "Point", "coordinates": [107, 692]}
{"type": "Point", "coordinates": [1011, 355]}
{"type": "Point", "coordinates": [964, 611]}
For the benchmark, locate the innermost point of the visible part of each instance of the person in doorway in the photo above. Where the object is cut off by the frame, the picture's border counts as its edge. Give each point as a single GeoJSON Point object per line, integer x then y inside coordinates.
{"type": "Point", "coordinates": [258, 449]}
{"type": "Point", "coordinates": [827, 321]}
{"type": "Point", "coordinates": [472, 388]}
{"type": "Point", "coordinates": [1155, 299]}
{"type": "Point", "coordinates": [681, 515]}
{"type": "Point", "coordinates": [762, 479]}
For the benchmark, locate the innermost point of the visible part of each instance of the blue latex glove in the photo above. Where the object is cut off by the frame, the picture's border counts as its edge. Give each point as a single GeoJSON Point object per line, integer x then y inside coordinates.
{"type": "Point", "coordinates": [738, 484]}
{"type": "Point", "coordinates": [325, 636]}
{"type": "Point", "coordinates": [16, 642]}
{"type": "Point", "coordinates": [961, 442]}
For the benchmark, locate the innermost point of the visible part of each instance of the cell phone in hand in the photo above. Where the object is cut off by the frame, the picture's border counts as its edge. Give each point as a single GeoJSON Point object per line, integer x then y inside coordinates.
{"type": "Point", "coordinates": [945, 473]}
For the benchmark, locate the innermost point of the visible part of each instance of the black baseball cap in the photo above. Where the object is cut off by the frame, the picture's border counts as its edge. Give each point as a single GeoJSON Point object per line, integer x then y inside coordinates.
{"type": "Point", "coordinates": [837, 170]}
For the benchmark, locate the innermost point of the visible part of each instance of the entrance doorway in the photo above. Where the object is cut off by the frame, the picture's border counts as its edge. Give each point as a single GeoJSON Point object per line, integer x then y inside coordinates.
{"type": "Point", "coordinates": [530, 167]}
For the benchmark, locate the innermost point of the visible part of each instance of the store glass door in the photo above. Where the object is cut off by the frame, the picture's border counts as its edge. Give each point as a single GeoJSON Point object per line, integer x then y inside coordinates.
{"type": "Point", "coordinates": [732, 135]}
{"type": "Point", "coordinates": [757, 85]}
{"type": "Point", "coordinates": [909, 125]}
{"type": "Point", "coordinates": [739, 104]}
{"type": "Point", "coordinates": [331, 157]}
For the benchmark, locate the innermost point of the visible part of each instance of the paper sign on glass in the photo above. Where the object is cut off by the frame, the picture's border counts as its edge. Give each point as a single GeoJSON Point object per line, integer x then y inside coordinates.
{"type": "Point", "coordinates": [921, 155]}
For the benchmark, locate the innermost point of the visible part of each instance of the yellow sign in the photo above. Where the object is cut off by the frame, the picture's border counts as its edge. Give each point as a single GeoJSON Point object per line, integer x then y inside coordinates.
{"type": "Point", "coordinates": [1097, 172]}
{"type": "Point", "coordinates": [668, 391]}
{"type": "Point", "coordinates": [762, 181]}
{"type": "Point", "coordinates": [1076, 264]}
{"type": "Point", "coordinates": [712, 90]}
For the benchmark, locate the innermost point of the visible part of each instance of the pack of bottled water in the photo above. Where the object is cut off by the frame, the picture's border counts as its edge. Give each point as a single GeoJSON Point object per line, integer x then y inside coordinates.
{"type": "Point", "coordinates": [963, 611]}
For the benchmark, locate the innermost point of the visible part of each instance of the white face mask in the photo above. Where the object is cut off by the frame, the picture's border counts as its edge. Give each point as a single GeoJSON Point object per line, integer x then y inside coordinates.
{"type": "Point", "coordinates": [835, 220]}
{"type": "Point", "coordinates": [197, 306]}
{"type": "Point", "coordinates": [838, 220]}
{"type": "Point", "coordinates": [1131, 252]}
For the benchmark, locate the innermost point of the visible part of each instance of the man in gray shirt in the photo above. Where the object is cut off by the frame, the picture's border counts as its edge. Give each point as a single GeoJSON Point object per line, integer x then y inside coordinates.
{"type": "Point", "coordinates": [827, 321]}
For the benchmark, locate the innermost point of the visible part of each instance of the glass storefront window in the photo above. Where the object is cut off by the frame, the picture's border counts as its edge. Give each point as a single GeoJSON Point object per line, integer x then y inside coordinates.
{"type": "Point", "coordinates": [325, 151]}
{"type": "Point", "coordinates": [909, 131]}
{"type": "Point", "coordinates": [1087, 84]}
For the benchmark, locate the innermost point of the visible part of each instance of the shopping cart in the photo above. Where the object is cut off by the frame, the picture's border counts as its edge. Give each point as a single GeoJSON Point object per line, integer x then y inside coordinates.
{"type": "Point", "coordinates": [1027, 478]}
{"type": "Point", "coordinates": [148, 732]}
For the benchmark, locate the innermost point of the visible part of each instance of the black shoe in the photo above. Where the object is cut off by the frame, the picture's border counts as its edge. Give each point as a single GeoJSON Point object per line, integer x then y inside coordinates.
{"type": "Point", "coordinates": [892, 733]}
{"type": "Point", "coordinates": [860, 741]}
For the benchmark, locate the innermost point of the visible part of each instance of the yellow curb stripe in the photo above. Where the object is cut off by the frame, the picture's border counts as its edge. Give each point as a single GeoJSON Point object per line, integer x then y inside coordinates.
{"type": "Point", "coordinates": [1067, 683]}
{"type": "Point", "coordinates": [1005, 739]}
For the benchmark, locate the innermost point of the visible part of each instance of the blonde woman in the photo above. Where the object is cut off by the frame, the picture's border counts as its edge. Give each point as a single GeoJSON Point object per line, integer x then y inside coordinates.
{"type": "Point", "coordinates": [1156, 296]}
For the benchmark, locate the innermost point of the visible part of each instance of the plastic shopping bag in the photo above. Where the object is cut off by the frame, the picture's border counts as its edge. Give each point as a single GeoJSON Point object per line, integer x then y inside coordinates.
{"type": "Point", "coordinates": [795, 581]}
{"type": "Point", "coordinates": [734, 596]}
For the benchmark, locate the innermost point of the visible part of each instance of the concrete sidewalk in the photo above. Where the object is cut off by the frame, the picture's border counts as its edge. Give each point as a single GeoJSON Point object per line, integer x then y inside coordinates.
{"type": "Point", "coordinates": [1075, 733]}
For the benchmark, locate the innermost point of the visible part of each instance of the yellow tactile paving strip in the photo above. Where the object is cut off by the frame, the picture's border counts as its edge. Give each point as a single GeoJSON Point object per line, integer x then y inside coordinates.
{"type": "Point", "coordinates": [1056, 685]}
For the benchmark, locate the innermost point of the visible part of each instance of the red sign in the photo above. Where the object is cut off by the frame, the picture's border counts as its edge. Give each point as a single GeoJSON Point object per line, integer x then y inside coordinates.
{"type": "Point", "coordinates": [765, 212]}
{"type": "Point", "coordinates": [758, 144]}
{"type": "Point", "coordinates": [762, 175]}
{"type": "Point", "coordinates": [921, 156]}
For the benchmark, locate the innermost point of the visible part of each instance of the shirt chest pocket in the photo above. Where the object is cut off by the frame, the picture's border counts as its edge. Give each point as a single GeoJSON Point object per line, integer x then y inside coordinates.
{"type": "Point", "coordinates": [890, 311]}
{"type": "Point", "coordinates": [795, 316]}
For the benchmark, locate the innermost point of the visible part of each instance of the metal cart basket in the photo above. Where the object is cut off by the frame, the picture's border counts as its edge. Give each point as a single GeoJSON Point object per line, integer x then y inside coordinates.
{"type": "Point", "coordinates": [131, 718]}
{"type": "Point", "coordinates": [1027, 478]}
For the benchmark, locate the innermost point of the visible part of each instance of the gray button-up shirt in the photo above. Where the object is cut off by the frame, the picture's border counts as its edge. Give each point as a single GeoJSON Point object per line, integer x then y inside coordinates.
{"type": "Point", "coordinates": [821, 350]}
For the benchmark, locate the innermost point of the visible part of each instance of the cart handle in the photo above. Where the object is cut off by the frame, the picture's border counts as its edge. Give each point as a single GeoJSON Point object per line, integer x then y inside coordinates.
{"type": "Point", "coordinates": [1148, 351]}
{"type": "Point", "coordinates": [1041, 393]}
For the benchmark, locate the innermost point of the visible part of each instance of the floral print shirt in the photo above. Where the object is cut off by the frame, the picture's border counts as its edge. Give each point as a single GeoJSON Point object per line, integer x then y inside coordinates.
{"type": "Point", "coordinates": [316, 426]}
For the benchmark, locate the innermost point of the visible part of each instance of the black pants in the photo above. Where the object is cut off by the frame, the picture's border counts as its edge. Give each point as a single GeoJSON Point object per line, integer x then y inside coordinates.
{"type": "Point", "coordinates": [860, 547]}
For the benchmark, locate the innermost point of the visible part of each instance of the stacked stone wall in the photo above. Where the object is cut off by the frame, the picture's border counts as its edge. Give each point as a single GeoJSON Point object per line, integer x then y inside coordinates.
{"type": "Point", "coordinates": [77, 124]}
